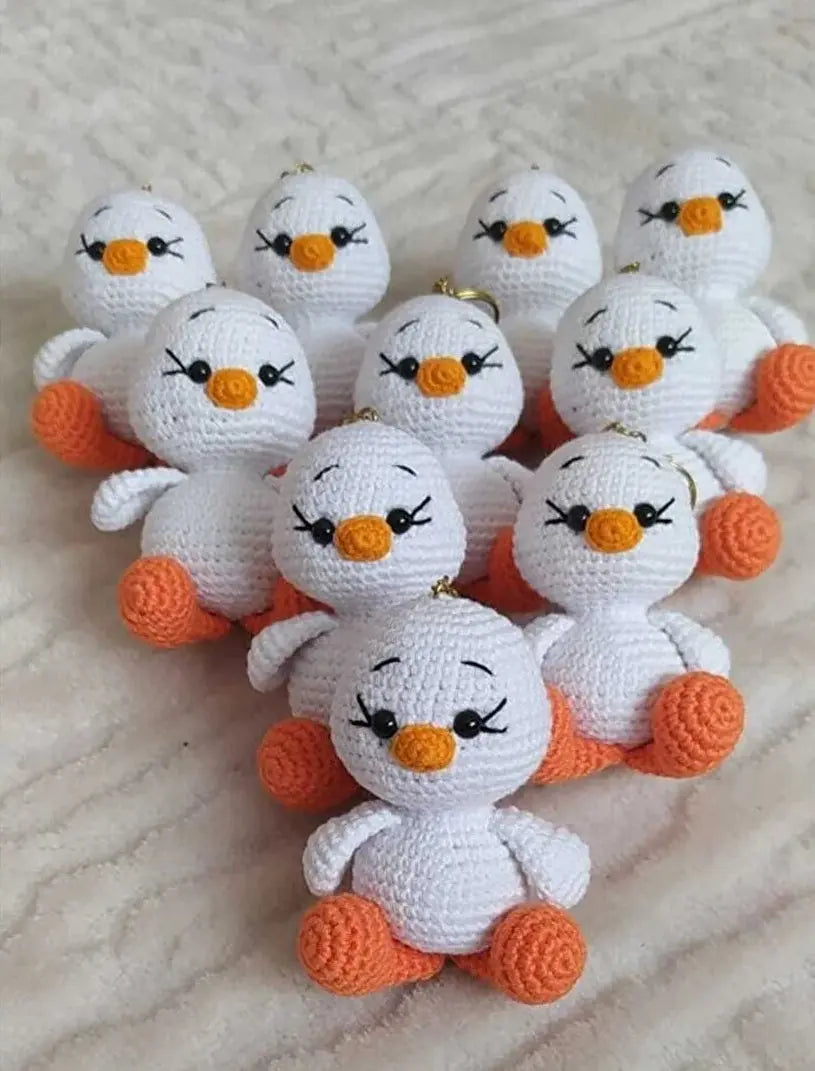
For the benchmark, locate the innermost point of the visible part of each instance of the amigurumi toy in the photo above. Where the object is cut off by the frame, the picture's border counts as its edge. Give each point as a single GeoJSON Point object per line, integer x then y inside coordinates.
{"type": "Point", "coordinates": [530, 241]}
{"type": "Point", "coordinates": [636, 351]}
{"type": "Point", "coordinates": [129, 254]}
{"type": "Point", "coordinates": [439, 715]}
{"type": "Point", "coordinates": [695, 219]}
{"type": "Point", "coordinates": [365, 521]}
{"type": "Point", "coordinates": [441, 369]}
{"type": "Point", "coordinates": [606, 529]}
{"type": "Point", "coordinates": [223, 393]}
{"type": "Point", "coordinates": [313, 249]}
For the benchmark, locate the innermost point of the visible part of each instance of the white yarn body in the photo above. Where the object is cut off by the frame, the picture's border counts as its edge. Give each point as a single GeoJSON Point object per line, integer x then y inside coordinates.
{"type": "Point", "coordinates": [333, 349]}
{"type": "Point", "coordinates": [741, 467]}
{"type": "Point", "coordinates": [217, 524]}
{"type": "Point", "coordinates": [105, 369]}
{"type": "Point", "coordinates": [743, 340]}
{"type": "Point", "coordinates": [317, 666]}
{"type": "Point", "coordinates": [530, 334]}
{"type": "Point", "coordinates": [442, 878]}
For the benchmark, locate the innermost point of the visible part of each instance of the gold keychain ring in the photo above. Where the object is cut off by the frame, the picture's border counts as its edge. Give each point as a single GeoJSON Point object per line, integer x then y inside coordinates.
{"type": "Point", "coordinates": [482, 297]}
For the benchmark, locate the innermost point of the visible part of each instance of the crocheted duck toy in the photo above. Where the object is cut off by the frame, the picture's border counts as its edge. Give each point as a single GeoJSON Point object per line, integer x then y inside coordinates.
{"type": "Point", "coordinates": [313, 249]}
{"type": "Point", "coordinates": [636, 351]}
{"type": "Point", "coordinates": [441, 369]}
{"type": "Point", "coordinates": [365, 520]}
{"type": "Point", "coordinates": [223, 393]}
{"type": "Point", "coordinates": [606, 529]}
{"type": "Point", "coordinates": [129, 254]}
{"type": "Point", "coordinates": [695, 219]}
{"type": "Point", "coordinates": [440, 714]}
{"type": "Point", "coordinates": [530, 241]}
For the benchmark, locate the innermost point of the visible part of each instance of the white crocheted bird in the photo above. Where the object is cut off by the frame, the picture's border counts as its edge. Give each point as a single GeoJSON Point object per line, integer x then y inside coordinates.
{"type": "Point", "coordinates": [606, 529]}
{"type": "Point", "coordinates": [694, 218]}
{"type": "Point", "coordinates": [223, 393]}
{"type": "Point", "coordinates": [441, 369]}
{"type": "Point", "coordinates": [365, 521]}
{"type": "Point", "coordinates": [530, 241]}
{"type": "Point", "coordinates": [440, 713]}
{"type": "Point", "coordinates": [636, 350]}
{"type": "Point", "coordinates": [313, 249]}
{"type": "Point", "coordinates": [129, 254]}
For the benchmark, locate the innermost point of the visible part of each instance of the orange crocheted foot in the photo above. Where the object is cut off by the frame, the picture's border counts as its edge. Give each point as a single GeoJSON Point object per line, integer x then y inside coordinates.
{"type": "Point", "coordinates": [67, 420]}
{"type": "Point", "coordinates": [159, 604]}
{"type": "Point", "coordinates": [784, 389]}
{"type": "Point", "coordinates": [554, 431]}
{"type": "Point", "coordinates": [518, 441]}
{"type": "Point", "coordinates": [505, 588]}
{"type": "Point", "coordinates": [286, 601]}
{"type": "Point", "coordinates": [740, 536]}
{"type": "Point", "coordinates": [536, 956]}
{"type": "Point", "coordinates": [714, 421]}
{"type": "Point", "coordinates": [570, 755]}
{"type": "Point", "coordinates": [696, 720]}
{"type": "Point", "coordinates": [298, 765]}
{"type": "Point", "coordinates": [345, 946]}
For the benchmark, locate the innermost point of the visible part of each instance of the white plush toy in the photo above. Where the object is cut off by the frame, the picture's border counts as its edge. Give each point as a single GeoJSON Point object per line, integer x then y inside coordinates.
{"type": "Point", "coordinates": [694, 218]}
{"type": "Point", "coordinates": [606, 530]}
{"type": "Point", "coordinates": [128, 255]}
{"type": "Point", "coordinates": [441, 369]}
{"type": "Point", "coordinates": [313, 249]}
{"type": "Point", "coordinates": [223, 393]}
{"type": "Point", "coordinates": [530, 241]}
{"type": "Point", "coordinates": [636, 350]}
{"type": "Point", "coordinates": [440, 713]}
{"type": "Point", "coordinates": [366, 520]}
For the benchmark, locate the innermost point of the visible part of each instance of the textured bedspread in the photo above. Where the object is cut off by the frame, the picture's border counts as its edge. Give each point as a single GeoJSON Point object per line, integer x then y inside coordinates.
{"type": "Point", "coordinates": [150, 892]}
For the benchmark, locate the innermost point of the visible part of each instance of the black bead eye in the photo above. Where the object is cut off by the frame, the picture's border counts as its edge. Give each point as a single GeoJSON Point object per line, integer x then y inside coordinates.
{"type": "Point", "coordinates": [553, 226]}
{"type": "Point", "coordinates": [96, 250]}
{"type": "Point", "coordinates": [497, 230]}
{"type": "Point", "coordinates": [669, 211]}
{"type": "Point", "coordinates": [340, 236]}
{"type": "Point", "coordinates": [667, 346]}
{"type": "Point", "coordinates": [399, 520]}
{"type": "Point", "coordinates": [199, 371]}
{"type": "Point", "coordinates": [407, 368]}
{"type": "Point", "coordinates": [472, 363]}
{"type": "Point", "coordinates": [268, 375]}
{"type": "Point", "coordinates": [322, 531]}
{"type": "Point", "coordinates": [577, 518]}
{"type": "Point", "coordinates": [726, 200]}
{"type": "Point", "coordinates": [602, 359]}
{"type": "Point", "coordinates": [646, 514]}
{"type": "Point", "coordinates": [157, 246]}
{"type": "Point", "coordinates": [384, 724]}
{"type": "Point", "coordinates": [467, 724]}
{"type": "Point", "coordinates": [281, 244]}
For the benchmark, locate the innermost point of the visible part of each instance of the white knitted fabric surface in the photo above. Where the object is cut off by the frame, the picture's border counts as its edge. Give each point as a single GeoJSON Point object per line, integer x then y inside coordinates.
{"type": "Point", "coordinates": [151, 891]}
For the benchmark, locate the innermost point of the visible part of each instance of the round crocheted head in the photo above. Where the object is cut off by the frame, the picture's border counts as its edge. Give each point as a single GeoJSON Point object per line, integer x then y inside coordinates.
{"type": "Point", "coordinates": [606, 521]}
{"type": "Point", "coordinates": [634, 350]}
{"type": "Point", "coordinates": [441, 705]}
{"type": "Point", "coordinates": [313, 245]}
{"type": "Point", "coordinates": [695, 219]}
{"type": "Point", "coordinates": [128, 255]}
{"type": "Point", "coordinates": [529, 237]}
{"type": "Point", "coordinates": [441, 369]}
{"type": "Point", "coordinates": [366, 519]}
{"type": "Point", "coordinates": [222, 381]}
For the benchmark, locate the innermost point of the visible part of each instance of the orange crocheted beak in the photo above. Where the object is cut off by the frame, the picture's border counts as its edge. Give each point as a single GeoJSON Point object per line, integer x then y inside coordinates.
{"type": "Point", "coordinates": [232, 388]}
{"type": "Point", "coordinates": [637, 367]}
{"type": "Point", "coordinates": [441, 377]}
{"type": "Point", "coordinates": [312, 252]}
{"type": "Point", "coordinates": [612, 531]}
{"type": "Point", "coordinates": [700, 215]}
{"type": "Point", "coordinates": [366, 538]}
{"type": "Point", "coordinates": [423, 748]}
{"type": "Point", "coordinates": [527, 238]}
{"type": "Point", "coordinates": [125, 256]}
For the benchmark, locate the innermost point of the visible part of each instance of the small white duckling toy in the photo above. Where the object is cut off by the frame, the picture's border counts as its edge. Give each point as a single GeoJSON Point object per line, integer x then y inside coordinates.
{"type": "Point", "coordinates": [365, 521]}
{"type": "Point", "coordinates": [694, 218]}
{"type": "Point", "coordinates": [223, 393]}
{"type": "Point", "coordinates": [313, 249]}
{"type": "Point", "coordinates": [530, 241]}
{"type": "Point", "coordinates": [128, 255]}
{"type": "Point", "coordinates": [440, 368]}
{"type": "Point", "coordinates": [440, 714]}
{"type": "Point", "coordinates": [606, 529]}
{"type": "Point", "coordinates": [636, 351]}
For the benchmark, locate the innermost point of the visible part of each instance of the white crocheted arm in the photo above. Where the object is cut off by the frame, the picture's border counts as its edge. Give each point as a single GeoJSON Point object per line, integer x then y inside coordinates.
{"type": "Point", "coordinates": [736, 464]}
{"type": "Point", "coordinates": [125, 497]}
{"type": "Point", "coordinates": [698, 647]}
{"type": "Point", "coordinates": [58, 356]}
{"type": "Point", "coordinates": [331, 847]}
{"type": "Point", "coordinates": [554, 861]}
{"type": "Point", "coordinates": [782, 323]}
{"type": "Point", "coordinates": [274, 647]}
{"type": "Point", "coordinates": [544, 632]}
{"type": "Point", "coordinates": [514, 473]}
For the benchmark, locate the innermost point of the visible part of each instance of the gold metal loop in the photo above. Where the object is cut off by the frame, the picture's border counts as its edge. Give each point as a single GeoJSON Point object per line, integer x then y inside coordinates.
{"type": "Point", "coordinates": [482, 297]}
{"type": "Point", "coordinates": [299, 169]}
{"type": "Point", "coordinates": [692, 489]}
{"type": "Point", "coordinates": [444, 586]}
{"type": "Point", "coordinates": [621, 429]}
{"type": "Point", "coordinates": [361, 415]}
{"type": "Point", "coordinates": [147, 187]}
{"type": "Point", "coordinates": [629, 269]}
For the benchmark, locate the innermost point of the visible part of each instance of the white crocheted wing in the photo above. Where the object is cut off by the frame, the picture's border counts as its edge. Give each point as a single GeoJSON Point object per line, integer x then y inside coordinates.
{"type": "Point", "coordinates": [331, 847]}
{"type": "Point", "coordinates": [274, 647]}
{"type": "Point", "coordinates": [58, 356]}
{"type": "Point", "coordinates": [782, 323]}
{"type": "Point", "coordinates": [736, 464]}
{"type": "Point", "coordinates": [126, 497]}
{"type": "Point", "coordinates": [555, 862]}
{"type": "Point", "coordinates": [698, 647]}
